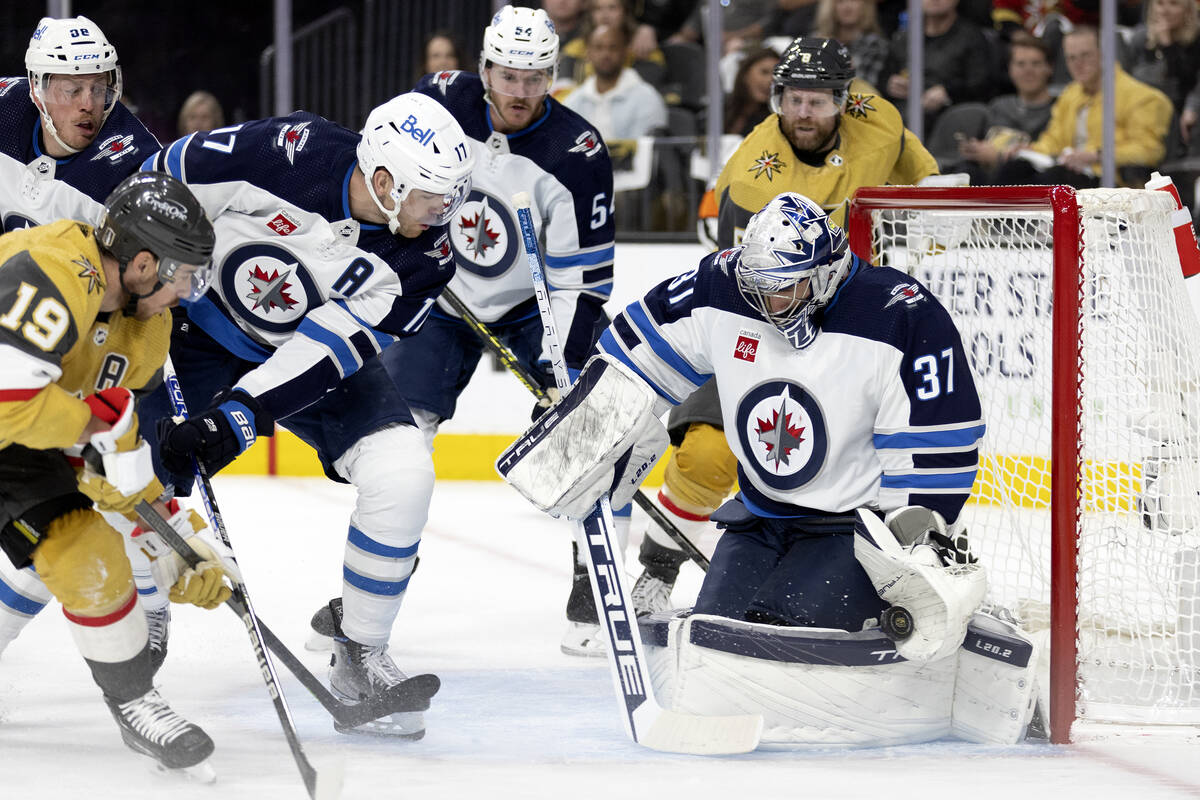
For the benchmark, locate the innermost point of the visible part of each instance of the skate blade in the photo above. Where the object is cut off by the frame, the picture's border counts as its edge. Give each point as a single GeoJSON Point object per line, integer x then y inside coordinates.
{"type": "Point", "coordinates": [406, 725]}
{"type": "Point", "coordinates": [197, 773]}
{"type": "Point", "coordinates": [318, 642]}
{"type": "Point", "coordinates": [583, 639]}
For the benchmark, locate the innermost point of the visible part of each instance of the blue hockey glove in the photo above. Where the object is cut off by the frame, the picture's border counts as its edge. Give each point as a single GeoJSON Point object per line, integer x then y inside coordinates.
{"type": "Point", "coordinates": [215, 437]}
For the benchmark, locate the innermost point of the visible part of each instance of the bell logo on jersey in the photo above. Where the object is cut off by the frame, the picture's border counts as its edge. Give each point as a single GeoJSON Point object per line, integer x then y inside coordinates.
{"type": "Point", "coordinates": [292, 139]}
{"type": "Point", "coordinates": [587, 143]}
{"type": "Point", "coordinates": [283, 223]}
{"type": "Point", "coordinates": [782, 432]}
{"type": "Point", "coordinates": [115, 148]}
{"type": "Point", "coordinates": [909, 293]}
{"type": "Point", "coordinates": [747, 346]}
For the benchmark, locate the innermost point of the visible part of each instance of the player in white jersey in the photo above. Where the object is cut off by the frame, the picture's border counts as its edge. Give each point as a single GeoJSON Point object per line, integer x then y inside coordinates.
{"type": "Point", "coordinates": [523, 140]}
{"type": "Point", "coordinates": [847, 400]}
{"type": "Point", "coordinates": [331, 245]}
{"type": "Point", "coordinates": [66, 141]}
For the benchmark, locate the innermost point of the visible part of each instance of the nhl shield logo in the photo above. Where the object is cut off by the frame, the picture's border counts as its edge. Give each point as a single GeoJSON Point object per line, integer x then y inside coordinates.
{"type": "Point", "coordinates": [783, 434]}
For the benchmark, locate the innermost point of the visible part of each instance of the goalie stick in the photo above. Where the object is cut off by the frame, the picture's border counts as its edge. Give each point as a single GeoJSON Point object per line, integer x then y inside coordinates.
{"type": "Point", "coordinates": [412, 694]}
{"type": "Point", "coordinates": [646, 722]}
{"type": "Point", "coordinates": [509, 360]}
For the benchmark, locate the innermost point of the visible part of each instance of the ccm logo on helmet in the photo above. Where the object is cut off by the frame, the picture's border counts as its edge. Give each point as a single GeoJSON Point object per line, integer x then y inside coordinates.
{"type": "Point", "coordinates": [410, 127]}
{"type": "Point", "coordinates": [87, 57]}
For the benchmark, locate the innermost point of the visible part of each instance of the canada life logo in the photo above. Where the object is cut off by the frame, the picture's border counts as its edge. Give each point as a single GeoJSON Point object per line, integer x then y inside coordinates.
{"type": "Point", "coordinates": [746, 348]}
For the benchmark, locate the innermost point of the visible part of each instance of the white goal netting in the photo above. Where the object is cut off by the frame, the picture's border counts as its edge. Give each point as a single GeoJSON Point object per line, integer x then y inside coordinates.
{"type": "Point", "coordinates": [1137, 417]}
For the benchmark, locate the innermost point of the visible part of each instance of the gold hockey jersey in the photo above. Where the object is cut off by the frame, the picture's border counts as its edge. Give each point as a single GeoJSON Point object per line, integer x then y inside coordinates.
{"type": "Point", "coordinates": [872, 148]}
{"type": "Point", "coordinates": [56, 346]}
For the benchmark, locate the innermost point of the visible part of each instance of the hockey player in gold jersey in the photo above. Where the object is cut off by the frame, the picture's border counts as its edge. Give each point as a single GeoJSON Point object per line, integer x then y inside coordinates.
{"type": "Point", "coordinates": [830, 134]}
{"type": "Point", "coordinates": [84, 324]}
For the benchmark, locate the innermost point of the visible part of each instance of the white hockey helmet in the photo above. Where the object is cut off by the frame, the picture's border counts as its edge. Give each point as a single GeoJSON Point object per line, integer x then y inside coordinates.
{"type": "Point", "coordinates": [70, 47]}
{"type": "Point", "coordinates": [520, 38]}
{"type": "Point", "coordinates": [420, 143]}
{"type": "Point", "coordinates": [790, 241]}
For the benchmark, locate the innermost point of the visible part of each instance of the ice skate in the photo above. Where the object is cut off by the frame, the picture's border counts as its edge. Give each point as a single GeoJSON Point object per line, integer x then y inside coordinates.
{"type": "Point", "coordinates": [159, 623]}
{"type": "Point", "coordinates": [358, 672]}
{"type": "Point", "coordinates": [320, 635]}
{"type": "Point", "coordinates": [582, 637]}
{"type": "Point", "coordinates": [149, 726]}
{"type": "Point", "coordinates": [650, 594]}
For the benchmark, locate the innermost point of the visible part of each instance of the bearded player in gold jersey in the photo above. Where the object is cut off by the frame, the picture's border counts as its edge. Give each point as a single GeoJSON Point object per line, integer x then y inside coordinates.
{"type": "Point", "coordinates": [830, 133]}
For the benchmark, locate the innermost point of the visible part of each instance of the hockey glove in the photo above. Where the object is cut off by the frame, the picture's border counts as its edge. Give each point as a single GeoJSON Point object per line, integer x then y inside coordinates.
{"type": "Point", "coordinates": [202, 585]}
{"type": "Point", "coordinates": [215, 437]}
{"type": "Point", "coordinates": [124, 475]}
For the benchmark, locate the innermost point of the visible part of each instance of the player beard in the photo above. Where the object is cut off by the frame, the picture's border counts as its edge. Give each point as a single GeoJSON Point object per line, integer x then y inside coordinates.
{"type": "Point", "coordinates": [810, 135]}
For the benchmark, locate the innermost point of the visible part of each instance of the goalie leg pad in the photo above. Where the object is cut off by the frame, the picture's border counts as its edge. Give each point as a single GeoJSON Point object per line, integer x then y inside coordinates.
{"type": "Point", "coordinates": [604, 436]}
{"type": "Point", "coordinates": [393, 472]}
{"type": "Point", "coordinates": [811, 685]}
{"type": "Point", "coordinates": [996, 686]}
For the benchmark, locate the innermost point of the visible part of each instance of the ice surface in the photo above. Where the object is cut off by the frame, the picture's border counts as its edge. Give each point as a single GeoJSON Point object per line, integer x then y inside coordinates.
{"type": "Point", "coordinates": [515, 718]}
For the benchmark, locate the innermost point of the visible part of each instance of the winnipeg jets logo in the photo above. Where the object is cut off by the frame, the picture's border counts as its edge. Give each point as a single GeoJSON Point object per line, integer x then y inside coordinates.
{"type": "Point", "coordinates": [6, 85]}
{"type": "Point", "coordinates": [477, 232]}
{"type": "Point", "coordinates": [767, 164]}
{"type": "Point", "coordinates": [269, 291]}
{"type": "Point", "coordinates": [859, 104]}
{"type": "Point", "coordinates": [115, 148]}
{"type": "Point", "coordinates": [441, 250]}
{"type": "Point", "coordinates": [909, 293]}
{"type": "Point", "coordinates": [443, 79]}
{"type": "Point", "coordinates": [90, 273]}
{"type": "Point", "coordinates": [292, 139]}
{"type": "Point", "coordinates": [587, 143]}
{"type": "Point", "coordinates": [782, 433]}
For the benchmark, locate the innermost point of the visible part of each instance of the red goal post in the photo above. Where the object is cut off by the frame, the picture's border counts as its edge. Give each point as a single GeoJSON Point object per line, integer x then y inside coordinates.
{"type": "Point", "coordinates": [1075, 319]}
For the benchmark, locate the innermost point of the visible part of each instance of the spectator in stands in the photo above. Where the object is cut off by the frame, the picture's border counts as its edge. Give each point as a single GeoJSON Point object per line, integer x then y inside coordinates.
{"type": "Point", "coordinates": [1074, 135]}
{"type": "Point", "coordinates": [567, 16]}
{"type": "Point", "coordinates": [201, 111]}
{"type": "Point", "coordinates": [958, 59]}
{"type": "Point", "coordinates": [743, 22]}
{"type": "Point", "coordinates": [657, 21]}
{"type": "Point", "coordinates": [1165, 51]}
{"type": "Point", "coordinates": [1014, 120]}
{"type": "Point", "coordinates": [1010, 16]}
{"type": "Point", "coordinates": [573, 66]}
{"type": "Point", "coordinates": [441, 52]}
{"type": "Point", "coordinates": [854, 24]}
{"type": "Point", "coordinates": [615, 99]}
{"type": "Point", "coordinates": [750, 101]}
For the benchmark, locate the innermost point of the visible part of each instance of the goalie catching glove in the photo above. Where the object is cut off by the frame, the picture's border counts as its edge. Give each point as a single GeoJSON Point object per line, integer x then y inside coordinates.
{"type": "Point", "coordinates": [202, 585]}
{"type": "Point", "coordinates": [941, 597]}
{"type": "Point", "coordinates": [602, 438]}
{"type": "Point", "coordinates": [123, 474]}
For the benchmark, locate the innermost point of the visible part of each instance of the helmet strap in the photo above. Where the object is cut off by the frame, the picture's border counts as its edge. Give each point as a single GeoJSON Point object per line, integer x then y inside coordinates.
{"type": "Point", "coordinates": [393, 214]}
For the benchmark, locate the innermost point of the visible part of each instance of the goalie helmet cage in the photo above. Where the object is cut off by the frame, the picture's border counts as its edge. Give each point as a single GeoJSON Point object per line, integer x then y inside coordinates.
{"type": "Point", "coordinates": [1075, 319]}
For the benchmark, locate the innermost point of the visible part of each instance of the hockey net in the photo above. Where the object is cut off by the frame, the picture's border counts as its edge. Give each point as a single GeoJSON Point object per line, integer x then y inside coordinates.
{"type": "Point", "coordinates": [1073, 313]}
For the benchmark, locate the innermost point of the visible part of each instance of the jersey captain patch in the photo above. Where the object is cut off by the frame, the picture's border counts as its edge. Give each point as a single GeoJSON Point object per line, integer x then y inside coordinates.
{"type": "Point", "coordinates": [767, 164]}
{"type": "Point", "coordinates": [268, 287]}
{"type": "Point", "coordinates": [484, 236]}
{"type": "Point", "coordinates": [783, 434]}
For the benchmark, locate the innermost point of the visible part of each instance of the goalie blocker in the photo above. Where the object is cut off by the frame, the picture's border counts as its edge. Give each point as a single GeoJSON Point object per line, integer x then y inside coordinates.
{"type": "Point", "coordinates": [604, 436]}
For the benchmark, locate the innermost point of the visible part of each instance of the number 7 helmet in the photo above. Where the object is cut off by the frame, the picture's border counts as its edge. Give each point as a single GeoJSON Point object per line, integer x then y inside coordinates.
{"type": "Point", "coordinates": [70, 47]}
{"type": "Point", "coordinates": [418, 141]}
{"type": "Point", "coordinates": [792, 261]}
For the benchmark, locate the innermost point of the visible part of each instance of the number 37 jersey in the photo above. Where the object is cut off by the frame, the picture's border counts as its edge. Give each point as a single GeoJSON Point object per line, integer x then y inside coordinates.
{"type": "Point", "coordinates": [298, 285]}
{"type": "Point", "coordinates": [879, 410]}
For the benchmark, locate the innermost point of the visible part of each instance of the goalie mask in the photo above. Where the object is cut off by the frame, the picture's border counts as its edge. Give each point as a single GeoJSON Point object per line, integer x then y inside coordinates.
{"type": "Point", "coordinates": [792, 261]}
{"type": "Point", "coordinates": [521, 47]}
{"type": "Point", "coordinates": [811, 63]}
{"type": "Point", "coordinates": [154, 211]}
{"type": "Point", "coordinates": [424, 149]}
{"type": "Point", "coordinates": [70, 49]}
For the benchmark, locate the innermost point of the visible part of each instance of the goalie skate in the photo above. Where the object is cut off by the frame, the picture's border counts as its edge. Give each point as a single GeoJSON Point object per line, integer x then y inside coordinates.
{"type": "Point", "coordinates": [149, 726]}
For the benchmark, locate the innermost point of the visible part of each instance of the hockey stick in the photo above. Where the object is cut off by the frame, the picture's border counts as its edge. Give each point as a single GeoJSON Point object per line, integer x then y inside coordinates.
{"type": "Point", "coordinates": [646, 722]}
{"type": "Point", "coordinates": [509, 360]}
{"type": "Point", "coordinates": [412, 694]}
{"type": "Point", "coordinates": [319, 788]}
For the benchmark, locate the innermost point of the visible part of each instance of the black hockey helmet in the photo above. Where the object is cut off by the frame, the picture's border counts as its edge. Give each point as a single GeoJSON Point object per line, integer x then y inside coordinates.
{"type": "Point", "coordinates": [155, 211]}
{"type": "Point", "coordinates": [811, 62]}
